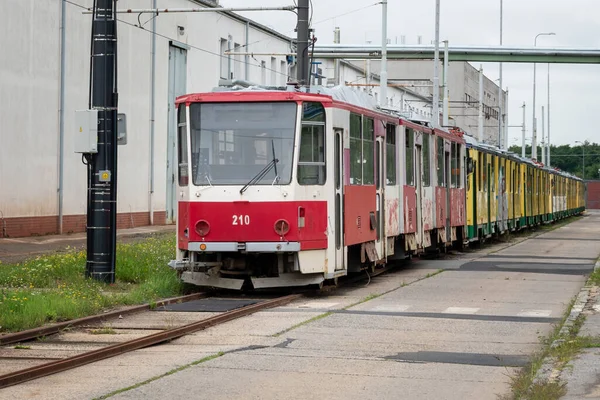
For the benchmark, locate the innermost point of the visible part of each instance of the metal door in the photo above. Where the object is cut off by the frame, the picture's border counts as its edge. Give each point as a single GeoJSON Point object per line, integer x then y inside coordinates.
{"type": "Point", "coordinates": [448, 186]}
{"type": "Point", "coordinates": [177, 87]}
{"type": "Point", "coordinates": [379, 185]}
{"type": "Point", "coordinates": [488, 169]}
{"type": "Point", "coordinates": [418, 165]}
{"type": "Point", "coordinates": [339, 203]}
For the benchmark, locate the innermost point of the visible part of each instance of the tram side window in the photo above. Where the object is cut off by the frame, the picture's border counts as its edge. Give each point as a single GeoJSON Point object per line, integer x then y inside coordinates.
{"type": "Point", "coordinates": [484, 172]}
{"type": "Point", "coordinates": [182, 148]}
{"type": "Point", "coordinates": [410, 144]}
{"type": "Point", "coordinates": [426, 160]}
{"type": "Point", "coordinates": [480, 172]}
{"type": "Point", "coordinates": [453, 161]}
{"type": "Point", "coordinates": [440, 163]}
{"type": "Point", "coordinates": [493, 173]}
{"type": "Point", "coordinates": [311, 162]}
{"type": "Point", "coordinates": [458, 167]}
{"type": "Point", "coordinates": [355, 150]}
{"type": "Point", "coordinates": [390, 154]}
{"type": "Point", "coordinates": [368, 151]}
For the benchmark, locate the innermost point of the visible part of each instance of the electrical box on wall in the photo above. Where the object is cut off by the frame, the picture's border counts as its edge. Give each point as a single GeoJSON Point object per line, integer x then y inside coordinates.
{"type": "Point", "coordinates": [86, 135]}
{"type": "Point", "coordinates": [121, 129]}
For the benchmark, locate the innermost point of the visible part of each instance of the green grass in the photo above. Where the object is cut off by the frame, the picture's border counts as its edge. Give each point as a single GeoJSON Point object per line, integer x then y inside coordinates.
{"type": "Point", "coordinates": [524, 384]}
{"type": "Point", "coordinates": [53, 288]}
{"type": "Point", "coordinates": [594, 278]}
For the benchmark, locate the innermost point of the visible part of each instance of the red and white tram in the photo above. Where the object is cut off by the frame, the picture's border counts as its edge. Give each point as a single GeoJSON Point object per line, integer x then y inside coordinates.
{"type": "Point", "coordinates": [291, 188]}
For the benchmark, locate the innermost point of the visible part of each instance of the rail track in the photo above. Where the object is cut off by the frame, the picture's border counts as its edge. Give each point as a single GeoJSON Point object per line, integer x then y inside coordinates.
{"type": "Point", "coordinates": [59, 364]}
{"type": "Point", "coordinates": [63, 364]}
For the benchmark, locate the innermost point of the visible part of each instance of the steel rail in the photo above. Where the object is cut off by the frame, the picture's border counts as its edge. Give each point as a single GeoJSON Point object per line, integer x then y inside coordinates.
{"type": "Point", "coordinates": [39, 371]}
{"type": "Point", "coordinates": [56, 328]}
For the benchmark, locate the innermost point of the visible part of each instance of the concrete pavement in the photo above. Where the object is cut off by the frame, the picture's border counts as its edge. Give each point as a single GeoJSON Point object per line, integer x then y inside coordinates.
{"type": "Point", "coordinates": [410, 334]}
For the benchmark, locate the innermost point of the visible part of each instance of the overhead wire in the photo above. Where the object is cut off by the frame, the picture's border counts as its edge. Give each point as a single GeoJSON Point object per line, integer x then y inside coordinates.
{"type": "Point", "coordinates": [237, 47]}
{"type": "Point", "coordinates": [312, 24]}
{"type": "Point", "coordinates": [191, 46]}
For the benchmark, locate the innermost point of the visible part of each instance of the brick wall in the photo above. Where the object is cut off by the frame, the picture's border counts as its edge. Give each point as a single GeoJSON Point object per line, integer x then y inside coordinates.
{"type": "Point", "coordinates": [48, 225]}
{"type": "Point", "coordinates": [593, 195]}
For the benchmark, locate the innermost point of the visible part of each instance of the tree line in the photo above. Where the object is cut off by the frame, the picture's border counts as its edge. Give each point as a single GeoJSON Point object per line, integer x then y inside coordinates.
{"type": "Point", "coordinates": [571, 158]}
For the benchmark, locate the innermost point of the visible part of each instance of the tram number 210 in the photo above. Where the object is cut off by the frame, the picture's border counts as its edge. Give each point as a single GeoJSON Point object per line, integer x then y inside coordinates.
{"type": "Point", "coordinates": [240, 220]}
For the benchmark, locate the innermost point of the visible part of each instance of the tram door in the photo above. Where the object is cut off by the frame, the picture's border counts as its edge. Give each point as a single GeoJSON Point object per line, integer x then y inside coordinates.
{"type": "Point", "coordinates": [379, 185]}
{"type": "Point", "coordinates": [418, 162]}
{"type": "Point", "coordinates": [339, 196]}
{"type": "Point", "coordinates": [448, 185]}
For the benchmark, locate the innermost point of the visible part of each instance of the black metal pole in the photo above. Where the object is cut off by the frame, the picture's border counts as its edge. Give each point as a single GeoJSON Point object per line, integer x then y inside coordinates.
{"type": "Point", "coordinates": [302, 57]}
{"type": "Point", "coordinates": [102, 166]}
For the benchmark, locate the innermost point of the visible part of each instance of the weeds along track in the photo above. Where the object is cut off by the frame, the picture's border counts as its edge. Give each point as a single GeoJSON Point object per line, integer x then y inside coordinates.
{"type": "Point", "coordinates": [33, 354]}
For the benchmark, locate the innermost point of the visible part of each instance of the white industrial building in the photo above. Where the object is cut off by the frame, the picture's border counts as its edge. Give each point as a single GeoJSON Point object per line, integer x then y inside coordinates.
{"type": "Point", "coordinates": [463, 88]}
{"type": "Point", "coordinates": [42, 83]}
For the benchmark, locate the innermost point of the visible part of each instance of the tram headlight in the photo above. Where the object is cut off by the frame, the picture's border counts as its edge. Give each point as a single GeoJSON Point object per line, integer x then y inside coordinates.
{"type": "Point", "coordinates": [282, 227]}
{"type": "Point", "coordinates": [202, 227]}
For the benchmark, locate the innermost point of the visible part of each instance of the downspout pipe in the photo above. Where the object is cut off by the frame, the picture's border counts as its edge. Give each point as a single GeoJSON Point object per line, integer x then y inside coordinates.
{"type": "Point", "coordinates": [61, 115]}
{"type": "Point", "coordinates": [152, 115]}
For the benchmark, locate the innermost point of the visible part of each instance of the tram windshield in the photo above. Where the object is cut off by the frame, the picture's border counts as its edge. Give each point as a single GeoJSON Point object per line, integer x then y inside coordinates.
{"type": "Point", "coordinates": [232, 143]}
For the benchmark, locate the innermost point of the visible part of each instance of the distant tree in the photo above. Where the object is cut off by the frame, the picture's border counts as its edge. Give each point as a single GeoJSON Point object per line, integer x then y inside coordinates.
{"type": "Point", "coordinates": [570, 159]}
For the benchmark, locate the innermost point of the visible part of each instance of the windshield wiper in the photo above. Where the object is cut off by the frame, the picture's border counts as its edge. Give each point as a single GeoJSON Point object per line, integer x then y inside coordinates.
{"type": "Point", "coordinates": [274, 165]}
{"type": "Point", "coordinates": [261, 174]}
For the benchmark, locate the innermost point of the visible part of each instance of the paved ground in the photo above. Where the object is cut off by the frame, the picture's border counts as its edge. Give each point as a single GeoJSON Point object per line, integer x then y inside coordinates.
{"type": "Point", "coordinates": [14, 250]}
{"type": "Point", "coordinates": [458, 334]}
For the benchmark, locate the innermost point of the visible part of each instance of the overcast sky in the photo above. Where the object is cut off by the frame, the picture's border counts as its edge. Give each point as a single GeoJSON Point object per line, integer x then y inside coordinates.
{"type": "Point", "coordinates": [573, 88]}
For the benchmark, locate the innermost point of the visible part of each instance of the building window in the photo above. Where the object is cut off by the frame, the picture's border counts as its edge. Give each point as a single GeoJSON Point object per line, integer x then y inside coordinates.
{"type": "Point", "coordinates": [390, 154]}
{"type": "Point", "coordinates": [410, 166]}
{"type": "Point", "coordinates": [224, 59]}
{"type": "Point", "coordinates": [426, 160]}
{"type": "Point", "coordinates": [182, 148]}
{"type": "Point", "coordinates": [441, 177]}
{"type": "Point", "coordinates": [283, 76]}
{"type": "Point", "coordinates": [273, 72]}
{"type": "Point", "coordinates": [237, 62]}
{"type": "Point", "coordinates": [263, 73]}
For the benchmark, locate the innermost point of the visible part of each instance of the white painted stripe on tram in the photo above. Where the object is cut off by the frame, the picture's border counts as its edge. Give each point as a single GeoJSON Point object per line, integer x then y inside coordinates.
{"type": "Point", "coordinates": [534, 313]}
{"type": "Point", "coordinates": [461, 310]}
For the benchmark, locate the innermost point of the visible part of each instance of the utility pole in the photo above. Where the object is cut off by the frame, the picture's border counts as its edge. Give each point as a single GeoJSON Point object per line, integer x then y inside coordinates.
{"type": "Point", "coordinates": [102, 165]}
{"type": "Point", "coordinates": [523, 133]}
{"type": "Point", "coordinates": [302, 57]}
{"type": "Point", "coordinates": [500, 109]}
{"type": "Point", "coordinates": [384, 74]}
{"type": "Point", "coordinates": [480, 114]}
{"type": "Point", "coordinates": [446, 110]}
{"type": "Point", "coordinates": [436, 67]}
{"type": "Point", "coordinates": [543, 142]}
